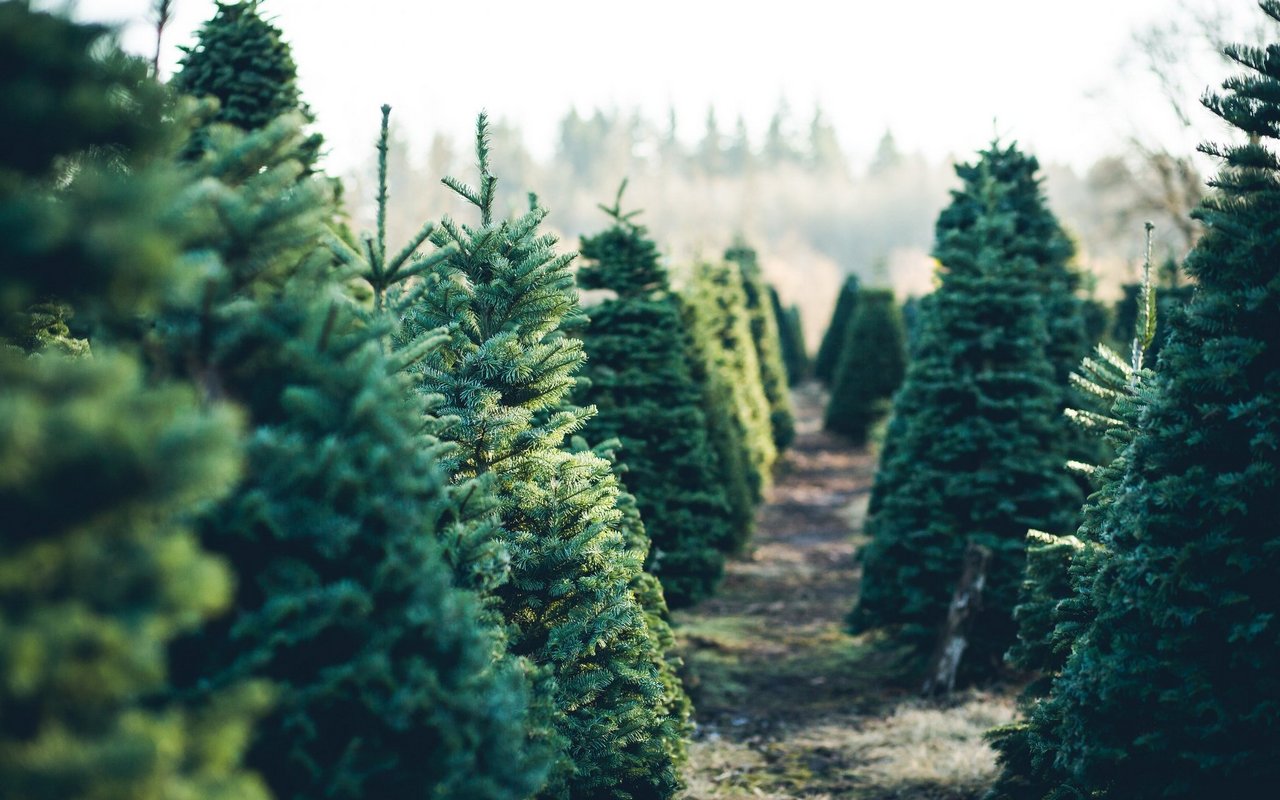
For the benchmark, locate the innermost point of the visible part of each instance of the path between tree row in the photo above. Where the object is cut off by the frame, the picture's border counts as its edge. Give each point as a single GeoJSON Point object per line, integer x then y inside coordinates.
{"type": "Point", "coordinates": [788, 704]}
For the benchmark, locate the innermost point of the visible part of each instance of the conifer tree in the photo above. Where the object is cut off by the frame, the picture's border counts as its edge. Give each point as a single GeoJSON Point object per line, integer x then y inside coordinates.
{"type": "Point", "coordinates": [243, 61]}
{"type": "Point", "coordinates": [978, 441]}
{"type": "Point", "coordinates": [390, 680]}
{"type": "Point", "coordinates": [1170, 689]}
{"type": "Point", "coordinates": [872, 363]}
{"type": "Point", "coordinates": [100, 466]}
{"type": "Point", "coordinates": [795, 356]}
{"type": "Point", "coordinates": [643, 388]}
{"type": "Point", "coordinates": [827, 359]}
{"type": "Point", "coordinates": [504, 373]}
{"type": "Point", "coordinates": [736, 408]}
{"type": "Point", "coordinates": [764, 332]}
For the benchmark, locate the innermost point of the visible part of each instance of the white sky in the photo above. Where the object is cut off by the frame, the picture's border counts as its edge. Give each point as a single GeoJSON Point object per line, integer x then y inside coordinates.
{"type": "Point", "coordinates": [937, 72]}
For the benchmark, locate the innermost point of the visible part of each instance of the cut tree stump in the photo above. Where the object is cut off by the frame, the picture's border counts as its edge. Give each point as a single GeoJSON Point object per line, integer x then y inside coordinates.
{"type": "Point", "coordinates": [954, 637]}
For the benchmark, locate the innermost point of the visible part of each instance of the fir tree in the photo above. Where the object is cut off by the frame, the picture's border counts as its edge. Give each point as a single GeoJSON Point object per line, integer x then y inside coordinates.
{"type": "Point", "coordinates": [100, 466]}
{"type": "Point", "coordinates": [872, 363]}
{"type": "Point", "coordinates": [764, 332]}
{"type": "Point", "coordinates": [795, 357]}
{"type": "Point", "coordinates": [390, 679]}
{"type": "Point", "coordinates": [242, 60]}
{"type": "Point", "coordinates": [827, 359]}
{"type": "Point", "coordinates": [977, 443]}
{"type": "Point", "coordinates": [504, 373]}
{"type": "Point", "coordinates": [734, 401]}
{"type": "Point", "coordinates": [1170, 691]}
{"type": "Point", "coordinates": [643, 388]}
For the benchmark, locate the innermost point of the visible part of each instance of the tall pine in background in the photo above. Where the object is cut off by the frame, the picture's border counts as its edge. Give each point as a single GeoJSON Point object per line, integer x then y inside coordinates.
{"type": "Point", "coordinates": [764, 332]}
{"type": "Point", "coordinates": [737, 409]}
{"type": "Point", "coordinates": [872, 362]}
{"type": "Point", "coordinates": [643, 388]}
{"type": "Point", "coordinates": [100, 466]}
{"type": "Point", "coordinates": [825, 362]}
{"type": "Point", "coordinates": [242, 60]}
{"type": "Point", "coordinates": [1171, 691]}
{"type": "Point", "coordinates": [389, 678]}
{"type": "Point", "coordinates": [504, 295]}
{"type": "Point", "coordinates": [978, 452]}
{"type": "Point", "coordinates": [795, 355]}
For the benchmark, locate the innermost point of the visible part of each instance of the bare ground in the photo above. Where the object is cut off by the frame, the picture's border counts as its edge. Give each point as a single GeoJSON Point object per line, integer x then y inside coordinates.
{"type": "Point", "coordinates": [788, 704]}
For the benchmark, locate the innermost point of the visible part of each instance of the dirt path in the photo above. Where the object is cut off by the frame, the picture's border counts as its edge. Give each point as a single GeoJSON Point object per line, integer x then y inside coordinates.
{"type": "Point", "coordinates": [789, 705]}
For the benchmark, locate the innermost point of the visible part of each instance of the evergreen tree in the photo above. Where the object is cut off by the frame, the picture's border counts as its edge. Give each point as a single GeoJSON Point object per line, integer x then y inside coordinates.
{"type": "Point", "coordinates": [795, 356]}
{"type": "Point", "coordinates": [643, 388]}
{"type": "Point", "coordinates": [504, 373]}
{"type": "Point", "coordinates": [764, 333]}
{"type": "Point", "coordinates": [390, 679]}
{"type": "Point", "coordinates": [825, 362]}
{"type": "Point", "coordinates": [100, 467]}
{"type": "Point", "coordinates": [1170, 691]}
{"type": "Point", "coordinates": [872, 363]}
{"type": "Point", "coordinates": [978, 440]}
{"type": "Point", "coordinates": [737, 410]}
{"type": "Point", "coordinates": [242, 60]}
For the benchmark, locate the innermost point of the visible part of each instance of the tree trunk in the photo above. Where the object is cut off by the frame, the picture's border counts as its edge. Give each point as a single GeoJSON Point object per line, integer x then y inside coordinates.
{"type": "Point", "coordinates": [953, 638]}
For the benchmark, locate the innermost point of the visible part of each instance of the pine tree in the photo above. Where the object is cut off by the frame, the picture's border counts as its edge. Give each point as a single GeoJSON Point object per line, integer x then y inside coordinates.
{"type": "Point", "coordinates": [795, 356]}
{"type": "Point", "coordinates": [977, 443]}
{"type": "Point", "coordinates": [872, 363]}
{"type": "Point", "coordinates": [825, 362]}
{"type": "Point", "coordinates": [643, 388]}
{"type": "Point", "coordinates": [1170, 690]}
{"type": "Point", "coordinates": [764, 332]}
{"type": "Point", "coordinates": [100, 466]}
{"type": "Point", "coordinates": [504, 373]}
{"type": "Point", "coordinates": [243, 61]}
{"type": "Point", "coordinates": [390, 679]}
{"type": "Point", "coordinates": [734, 401]}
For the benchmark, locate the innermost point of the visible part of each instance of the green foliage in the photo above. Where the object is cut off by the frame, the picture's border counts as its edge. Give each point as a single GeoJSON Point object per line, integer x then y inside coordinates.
{"type": "Point", "coordinates": [100, 467]}
{"type": "Point", "coordinates": [795, 356]}
{"type": "Point", "coordinates": [1170, 690]}
{"type": "Point", "coordinates": [390, 680]}
{"type": "Point", "coordinates": [737, 411]}
{"type": "Point", "coordinates": [1170, 301]}
{"type": "Point", "coordinates": [243, 61]}
{"type": "Point", "coordinates": [827, 359]}
{"type": "Point", "coordinates": [873, 360]}
{"type": "Point", "coordinates": [505, 296]}
{"type": "Point", "coordinates": [976, 449]}
{"type": "Point", "coordinates": [643, 388]}
{"type": "Point", "coordinates": [764, 332]}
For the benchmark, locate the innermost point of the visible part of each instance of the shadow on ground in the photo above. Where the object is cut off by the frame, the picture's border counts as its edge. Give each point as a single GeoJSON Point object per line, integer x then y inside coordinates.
{"type": "Point", "coordinates": [791, 706]}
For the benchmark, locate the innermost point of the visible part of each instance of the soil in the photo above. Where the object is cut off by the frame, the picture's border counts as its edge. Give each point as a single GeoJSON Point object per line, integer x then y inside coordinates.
{"type": "Point", "coordinates": [789, 705]}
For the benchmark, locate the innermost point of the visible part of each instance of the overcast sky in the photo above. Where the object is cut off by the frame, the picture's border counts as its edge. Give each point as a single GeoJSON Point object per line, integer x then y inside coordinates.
{"type": "Point", "coordinates": [942, 74]}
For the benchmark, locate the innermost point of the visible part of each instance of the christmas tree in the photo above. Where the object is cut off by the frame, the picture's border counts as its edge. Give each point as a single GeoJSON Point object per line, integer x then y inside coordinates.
{"type": "Point", "coordinates": [976, 448]}
{"type": "Point", "coordinates": [795, 357]}
{"type": "Point", "coordinates": [737, 410]}
{"type": "Point", "coordinates": [872, 363]}
{"type": "Point", "coordinates": [505, 296]}
{"type": "Point", "coordinates": [390, 680]}
{"type": "Point", "coordinates": [643, 388]}
{"type": "Point", "coordinates": [1170, 690]}
{"type": "Point", "coordinates": [100, 465]}
{"type": "Point", "coordinates": [764, 332]}
{"type": "Point", "coordinates": [827, 359]}
{"type": "Point", "coordinates": [242, 60]}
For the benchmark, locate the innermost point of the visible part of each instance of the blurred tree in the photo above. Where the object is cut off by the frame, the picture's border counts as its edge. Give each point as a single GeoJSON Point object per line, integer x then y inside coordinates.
{"type": "Point", "coordinates": [764, 333]}
{"type": "Point", "coordinates": [243, 61]}
{"type": "Point", "coordinates": [872, 363]}
{"type": "Point", "coordinates": [978, 441]}
{"type": "Point", "coordinates": [824, 364]}
{"type": "Point", "coordinates": [794, 355]}
{"type": "Point", "coordinates": [101, 467]}
{"type": "Point", "coordinates": [639, 379]}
